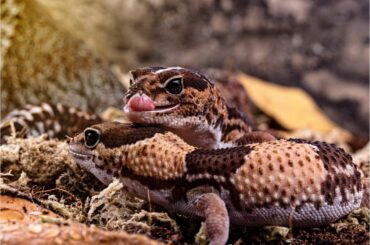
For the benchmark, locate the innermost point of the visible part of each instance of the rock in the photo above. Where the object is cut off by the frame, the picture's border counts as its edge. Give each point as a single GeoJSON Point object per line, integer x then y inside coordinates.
{"type": "Point", "coordinates": [41, 62]}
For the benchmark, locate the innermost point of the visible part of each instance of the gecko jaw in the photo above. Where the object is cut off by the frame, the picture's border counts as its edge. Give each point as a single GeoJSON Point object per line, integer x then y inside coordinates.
{"type": "Point", "coordinates": [79, 153]}
{"type": "Point", "coordinates": [86, 161]}
{"type": "Point", "coordinates": [79, 156]}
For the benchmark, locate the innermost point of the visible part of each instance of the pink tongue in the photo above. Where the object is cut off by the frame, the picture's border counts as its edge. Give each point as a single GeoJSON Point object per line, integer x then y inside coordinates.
{"type": "Point", "coordinates": [141, 103]}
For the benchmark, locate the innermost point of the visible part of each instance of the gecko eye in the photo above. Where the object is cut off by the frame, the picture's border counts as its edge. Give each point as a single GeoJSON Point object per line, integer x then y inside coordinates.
{"type": "Point", "coordinates": [92, 137]}
{"type": "Point", "coordinates": [174, 86]}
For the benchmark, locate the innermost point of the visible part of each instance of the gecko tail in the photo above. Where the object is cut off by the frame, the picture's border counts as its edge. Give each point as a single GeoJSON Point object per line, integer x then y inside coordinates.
{"type": "Point", "coordinates": [56, 121]}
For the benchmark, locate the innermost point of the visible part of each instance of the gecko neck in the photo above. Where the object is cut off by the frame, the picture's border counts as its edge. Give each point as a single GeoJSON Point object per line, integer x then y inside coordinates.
{"type": "Point", "coordinates": [219, 127]}
{"type": "Point", "coordinates": [227, 123]}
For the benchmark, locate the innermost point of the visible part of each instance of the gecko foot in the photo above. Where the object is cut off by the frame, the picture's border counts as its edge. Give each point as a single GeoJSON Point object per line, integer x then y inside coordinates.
{"type": "Point", "coordinates": [213, 208]}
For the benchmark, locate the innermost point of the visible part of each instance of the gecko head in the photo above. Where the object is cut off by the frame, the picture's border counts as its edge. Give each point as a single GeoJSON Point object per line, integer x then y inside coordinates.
{"type": "Point", "coordinates": [167, 96]}
{"type": "Point", "coordinates": [98, 149]}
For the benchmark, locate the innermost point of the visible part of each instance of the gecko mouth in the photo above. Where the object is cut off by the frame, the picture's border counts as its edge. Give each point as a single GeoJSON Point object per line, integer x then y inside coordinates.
{"type": "Point", "coordinates": [157, 109]}
{"type": "Point", "coordinates": [140, 103]}
{"type": "Point", "coordinates": [78, 155]}
{"type": "Point", "coordinates": [165, 107]}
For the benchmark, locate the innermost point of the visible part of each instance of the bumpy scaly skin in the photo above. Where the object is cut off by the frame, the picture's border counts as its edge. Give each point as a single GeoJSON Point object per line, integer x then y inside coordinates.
{"type": "Point", "coordinates": [198, 114]}
{"type": "Point", "coordinates": [57, 121]}
{"type": "Point", "coordinates": [282, 182]}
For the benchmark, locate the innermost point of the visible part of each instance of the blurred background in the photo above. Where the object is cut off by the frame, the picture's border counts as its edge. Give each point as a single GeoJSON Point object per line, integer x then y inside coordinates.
{"type": "Point", "coordinates": [273, 59]}
{"type": "Point", "coordinates": [76, 52]}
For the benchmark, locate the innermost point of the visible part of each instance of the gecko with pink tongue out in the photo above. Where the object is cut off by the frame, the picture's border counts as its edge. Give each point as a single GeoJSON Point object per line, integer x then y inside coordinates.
{"type": "Point", "coordinates": [141, 102]}
{"type": "Point", "coordinates": [188, 104]}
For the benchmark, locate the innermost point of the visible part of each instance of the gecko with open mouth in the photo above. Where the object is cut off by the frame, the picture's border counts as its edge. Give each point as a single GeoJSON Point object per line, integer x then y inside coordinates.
{"type": "Point", "coordinates": [188, 104]}
{"type": "Point", "coordinates": [281, 182]}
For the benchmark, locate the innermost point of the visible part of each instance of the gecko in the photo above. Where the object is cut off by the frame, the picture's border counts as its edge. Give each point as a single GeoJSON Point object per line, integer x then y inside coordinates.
{"type": "Point", "coordinates": [188, 104]}
{"type": "Point", "coordinates": [280, 182]}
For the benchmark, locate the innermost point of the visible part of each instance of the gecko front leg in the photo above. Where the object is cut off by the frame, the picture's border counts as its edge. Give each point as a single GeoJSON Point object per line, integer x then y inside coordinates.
{"type": "Point", "coordinates": [213, 209]}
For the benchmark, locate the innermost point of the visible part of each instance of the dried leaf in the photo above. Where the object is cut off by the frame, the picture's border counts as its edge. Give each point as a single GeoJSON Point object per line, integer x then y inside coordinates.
{"type": "Point", "coordinates": [291, 107]}
{"type": "Point", "coordinates": [21, 224]}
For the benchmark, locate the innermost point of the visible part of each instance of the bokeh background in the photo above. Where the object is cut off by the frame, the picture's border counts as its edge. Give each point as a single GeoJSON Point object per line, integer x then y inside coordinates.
{"type": "Point", "coordinates": [79, 52]}
{"type": "Point", "coordinates": [74, 51]}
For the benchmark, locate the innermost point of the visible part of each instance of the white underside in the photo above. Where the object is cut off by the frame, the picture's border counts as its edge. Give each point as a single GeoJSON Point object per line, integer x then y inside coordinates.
{"type": "Point", "coordinates": [307, 216]}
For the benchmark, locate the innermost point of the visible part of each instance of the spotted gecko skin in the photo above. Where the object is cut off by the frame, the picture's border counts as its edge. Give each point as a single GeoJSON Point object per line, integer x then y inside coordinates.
{"type": "Point", "coordinates": [56, 121]}
{"type": "Point", "coordinates": [196, 112]}
{"type": "Point", "coordinates": [282, 182]}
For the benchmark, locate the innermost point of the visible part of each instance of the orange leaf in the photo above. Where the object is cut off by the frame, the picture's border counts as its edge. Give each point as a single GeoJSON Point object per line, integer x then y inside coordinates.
{"type": "Point", "coordinates": [292, 107]}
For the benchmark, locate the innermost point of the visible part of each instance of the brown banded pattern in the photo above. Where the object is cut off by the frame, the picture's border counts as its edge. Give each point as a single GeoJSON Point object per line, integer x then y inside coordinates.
{"type": "Point", "coordinates": [57, 121]}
